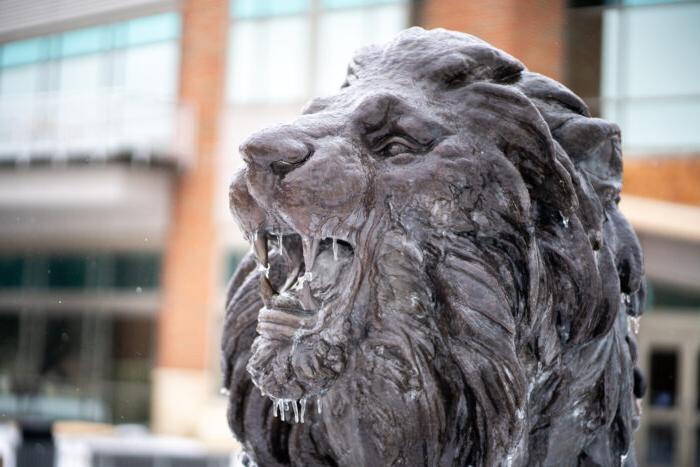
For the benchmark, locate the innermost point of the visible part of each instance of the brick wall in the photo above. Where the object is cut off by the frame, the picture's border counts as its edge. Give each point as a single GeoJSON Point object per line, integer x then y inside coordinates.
{"type": "Point", "coordinates": [190, 261]}
{"type": "Point", "coordinates": [672, 179]}
{"type": "Point", "coordinates": [531, 30]}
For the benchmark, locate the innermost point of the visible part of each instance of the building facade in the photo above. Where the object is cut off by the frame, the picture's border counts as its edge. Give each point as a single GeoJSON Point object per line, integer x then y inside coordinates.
{"type": "Point", "coordinates": [119, 128]}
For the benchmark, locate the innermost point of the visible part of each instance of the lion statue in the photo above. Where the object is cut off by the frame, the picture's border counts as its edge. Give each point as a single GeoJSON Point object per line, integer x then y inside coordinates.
{"type": "Point", "coordinates": [440, 273]}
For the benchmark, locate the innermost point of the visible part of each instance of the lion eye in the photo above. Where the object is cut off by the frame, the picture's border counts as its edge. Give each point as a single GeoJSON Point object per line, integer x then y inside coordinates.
{"type": "Point", "coordinates": [396, 146]}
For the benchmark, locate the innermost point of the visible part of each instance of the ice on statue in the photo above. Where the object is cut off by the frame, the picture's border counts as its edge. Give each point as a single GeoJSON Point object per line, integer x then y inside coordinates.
{"type": "Point", "coordinates": [439, 269]}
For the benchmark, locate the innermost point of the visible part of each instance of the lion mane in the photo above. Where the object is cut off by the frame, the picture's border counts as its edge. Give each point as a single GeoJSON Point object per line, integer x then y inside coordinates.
{"type": "Point", "coordinates": [489, 319]}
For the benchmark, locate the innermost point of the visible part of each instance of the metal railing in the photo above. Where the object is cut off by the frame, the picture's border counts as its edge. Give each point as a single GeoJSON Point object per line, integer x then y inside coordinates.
{"type": "Point", "coordinates": [95, 126]}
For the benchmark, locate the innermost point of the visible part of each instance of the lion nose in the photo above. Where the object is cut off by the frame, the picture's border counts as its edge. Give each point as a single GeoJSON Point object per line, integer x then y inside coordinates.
{"type": "Point", "coordinates": [280, 150]}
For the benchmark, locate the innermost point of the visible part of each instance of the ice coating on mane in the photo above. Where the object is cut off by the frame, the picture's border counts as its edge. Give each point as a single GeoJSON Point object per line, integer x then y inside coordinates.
{"type": "Point", "coordinates": [439, 261]}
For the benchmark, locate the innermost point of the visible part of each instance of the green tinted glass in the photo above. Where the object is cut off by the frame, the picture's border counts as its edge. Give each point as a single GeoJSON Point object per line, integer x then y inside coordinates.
{"type": "Point", "coordinates": [261, 8]}
{"type": "Point", "coordinates": [11, 271]}
{"type": "Point", "coordinates": [84, 41]}
{"type": "Point", "coordinates": [9, 341]}
{"type": "Point", "coordinates": [67, 272]}
{"type": "Point", "coordinates": [154, 28]}
{"type": "Point", "coordinates": [24, 52]}
{"type": "Point", "coordinates": [136, 271]}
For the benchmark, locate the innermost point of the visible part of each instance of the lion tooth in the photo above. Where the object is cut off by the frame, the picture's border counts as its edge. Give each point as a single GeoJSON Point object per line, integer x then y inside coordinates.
{"type": "Point", "coordinates": [302, 402]}
{"type": "Point", "coordinates": [266, 290]}
{"type": "Point", "coordinates": [306, 299]}
{"type": "Point", "coordinates": [335, 249]}
{"type": "Point", "coordinates": [318, 404]}
{"type": "Point", "coordinates": [310, 246]}
{"type": "Point", "coordinates": [280, 244]}
{"type": "Point", "coordinates": [292, 277]}
{"type": "Point", "coordinates": [296, 411]}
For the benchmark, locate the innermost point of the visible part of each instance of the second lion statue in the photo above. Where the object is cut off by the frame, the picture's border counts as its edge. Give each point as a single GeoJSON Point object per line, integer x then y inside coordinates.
{"type": "Point", "coordinates": [441, 275]}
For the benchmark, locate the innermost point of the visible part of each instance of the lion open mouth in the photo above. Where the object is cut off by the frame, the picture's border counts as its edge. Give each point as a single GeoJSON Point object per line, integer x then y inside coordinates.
{"type": "Point", "coordinates": [300, 276]}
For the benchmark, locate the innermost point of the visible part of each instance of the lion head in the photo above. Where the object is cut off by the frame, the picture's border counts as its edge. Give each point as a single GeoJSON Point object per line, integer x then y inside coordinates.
{"type": "Point", "coordinates": [440, 270]}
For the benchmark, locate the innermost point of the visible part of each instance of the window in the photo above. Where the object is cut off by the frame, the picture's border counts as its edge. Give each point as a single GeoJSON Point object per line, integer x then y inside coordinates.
{"type": "Point", "coordinates": [115, 55]}
{"type": "Point", "coordinates": [9, 345]}
{"type": "Point", "coordinates": [127, 271]}
{"type": "Point", "coordinates": [649, 70]}
{"type": "Point", "coordinates": [138, 271]}
{"type": "Point", "coordinates": [11, 271]}
{"type": "Point", "coordinates": [343, 30]}
{"type": "Point", "coordinates": [286, 51]}
{"type": "Point", "coordinates": [666, 296]}
{"type": "Point", "coordinates": [67, 272]}
{"type": "Point", "coordinates": [76, 364]}
{"type": "Point", "coordinates": [663, 378]}
{"type": "Point", "coordinates": [661, 445]}
{"type": "Point", "coordinates": [269, 59]}
{"type": "Point", "coordinates": [61, 359]}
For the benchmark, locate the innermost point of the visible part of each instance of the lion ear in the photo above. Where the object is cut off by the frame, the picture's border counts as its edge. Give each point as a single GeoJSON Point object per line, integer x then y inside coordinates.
{"type": "Point", "coordinates": [592, 144]}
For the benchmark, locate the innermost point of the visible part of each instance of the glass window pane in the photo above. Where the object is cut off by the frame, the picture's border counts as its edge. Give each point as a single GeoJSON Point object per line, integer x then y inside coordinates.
{"type": "Point", "coordinates": [131, 349]}
{"type": "Point", "coordinates": [663, 378]}
{"type": "Point", "coordinates": [137, 271]}
{"type": "Point", "coordinates": [23, 52]}
{"type": "Point", "coordinates": [661, 445]}
{"type": "Point", "coordinates": [11, 272]}
{"type": "Point", "coordinates": [664, 295]}
{"type": "Point", "coordinates": [154, 28]}
{"type": "Point", "coordinates": [81, 74]}
{"type": "Point", "coordinates": [20, 80]}
{"type": "Point", "coordinates": [61, 350]}
{"type": "Point", "coordinates": [84, 41]}
{"type": "Point", "coordinates": [9, 347]}
{"type": "Point", "coordinates": [655, 108]}
{"type": "Point", "coordinates": [67, 272]}
{"type": "Point", "coordinates": [260, 8]}
{"type": "Point", "coordinates": [142, 63]}
{"type": "Point", "coordinates": [342, 32]}
{"type": "Point", "coordinates": [269, 60]}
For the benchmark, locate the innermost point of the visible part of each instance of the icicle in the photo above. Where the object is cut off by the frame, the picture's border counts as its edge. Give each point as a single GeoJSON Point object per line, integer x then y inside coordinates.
{"type": "Point", "coordinates": [280, 244]}
{"type": "Point", "coordinates": [296, 411]}
{"type": "Point", "coordinates": [565, 221]}
{"type": "Point", "coordinates": [283, 408]}
{"type": "Point", "coordinates": [633, 324]}
{"type": "Point", "coordinates": [335, 249]}
{"type": "Point", "coordinates": [302, 402]}
{"type": "Point", "coordinates": [310, 251]}
{"type": "Point", "coordinates": [274, 407]}
{"type": "Point", "coordinates": [318, 404]}
{"type": "Point", "coordinates": [265, 269]}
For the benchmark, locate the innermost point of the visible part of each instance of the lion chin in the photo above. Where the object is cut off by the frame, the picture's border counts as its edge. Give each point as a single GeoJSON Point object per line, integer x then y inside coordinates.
{"type": "Point", "coordinates": [439, 262]}
{"type": "Point", "coordinates": [301, 346]}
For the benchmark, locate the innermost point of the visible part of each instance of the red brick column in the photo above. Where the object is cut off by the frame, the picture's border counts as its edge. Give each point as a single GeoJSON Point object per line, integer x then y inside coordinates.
{"type": "Point", "coordinates": [530, 30]}
{"type": "Point", "coordinates": [189, 266]}
{"type": "Point", "coordinates": [675, 179]}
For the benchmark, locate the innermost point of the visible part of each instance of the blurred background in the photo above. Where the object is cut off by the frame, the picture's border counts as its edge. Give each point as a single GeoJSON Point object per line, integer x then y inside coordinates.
{"type": "Point", "coordinates": [119, 127]}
